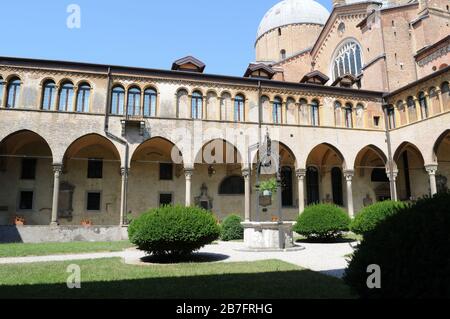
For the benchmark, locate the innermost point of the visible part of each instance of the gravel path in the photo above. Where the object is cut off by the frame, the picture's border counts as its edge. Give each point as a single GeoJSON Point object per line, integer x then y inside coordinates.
{"type": "Point", "coordinates": [325, 258]}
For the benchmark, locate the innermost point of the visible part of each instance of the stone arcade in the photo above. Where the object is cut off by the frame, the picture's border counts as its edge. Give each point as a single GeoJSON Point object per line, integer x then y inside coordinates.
{"type": "Point", "coordinates": [357, 100]}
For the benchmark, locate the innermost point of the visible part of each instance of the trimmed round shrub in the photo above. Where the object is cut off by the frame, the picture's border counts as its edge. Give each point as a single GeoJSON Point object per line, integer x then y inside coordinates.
{"type": "Point", "coordinates": [371, 215]}
{"type": "Point", "coordinates": [231, 228]}
{"type": "Point", "coordinates": [412, 249]}
{"type": "Point", "coordinates": [173, 230]}
{"type": "Point", "coordinates": [322, 222]}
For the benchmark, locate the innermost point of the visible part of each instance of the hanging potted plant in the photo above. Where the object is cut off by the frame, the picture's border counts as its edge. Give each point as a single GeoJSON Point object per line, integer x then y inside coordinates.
{"type": "Point", "coordinates": [19, 221]}
{"type": "Point", "coordinates": [266, 190]}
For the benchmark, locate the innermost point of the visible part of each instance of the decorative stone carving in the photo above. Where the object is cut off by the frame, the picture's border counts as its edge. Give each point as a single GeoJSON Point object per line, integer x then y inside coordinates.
{"type": "Point", "coordinates": [204, 201]}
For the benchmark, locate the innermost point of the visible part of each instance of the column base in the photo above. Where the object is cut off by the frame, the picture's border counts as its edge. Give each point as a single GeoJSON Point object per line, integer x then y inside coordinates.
{"type": "Point", "coordinates": [54, 224]}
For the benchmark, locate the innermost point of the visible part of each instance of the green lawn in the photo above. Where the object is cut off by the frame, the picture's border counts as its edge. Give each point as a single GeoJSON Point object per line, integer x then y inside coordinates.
{"type": "Point", "coordinates": [111, 278]}
{"type": "Point", "coordinates": [41, 249]}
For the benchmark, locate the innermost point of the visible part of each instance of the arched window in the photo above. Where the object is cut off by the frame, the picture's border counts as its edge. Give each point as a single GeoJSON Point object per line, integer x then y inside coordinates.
{"type": "Point", "coordinates": [337, 113]}
{"type": "Point", "coordinates": [348, 115]}
{"type": "Point", "coordinates": [315, 113]}
{"type": "Point", "coordinates": [336, 182]}
{"type": "Point", "coordinates": [445, 93]}
{"type": "Point", "coordinates": [283, 54]}
{"type": "Point", "coordinates": [83, 95]}
{"type": "Point", "coordinates": [117, 100]}
{"type": "Point", "coordinates": [197, 105]}
{"type": "Point", "coordinates": [48, 95]}
{"type": "Point", "coordinates": [312, 185]}
{"type": "Point", "coordinates": [134, 101]}
{"type": "Point", "coordinates": [182, 103]}
{"type": "Point", "coordinates": [66, 97]}
{"type": "Point", "coordinates": [239, 108]}
{"type": "Point", "coordinates": [150, 102]}
{"type": "Point", "coordinates": [423, 105]}
{"type": "Point", "coordinates": [13, 93]}
{"type": "Point", "coordinates": [276, 111]}
{"type": "Point", "coordinates": [348, 60]}
{"type": "Point", "coordinates": [232, 185]}
{"type": "Point", "coordinates": [411, 109]}
{"type": "Point", "coordinates": [2, 87]}
{"type": "Point", "coordinates": [401, 109]}
{"type": "Point", "coordinates": [391, 116]}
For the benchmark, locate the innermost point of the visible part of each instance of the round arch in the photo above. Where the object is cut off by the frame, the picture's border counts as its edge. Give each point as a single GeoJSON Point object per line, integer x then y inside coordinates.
{"type": "Point", "coordinates": [159, 149]}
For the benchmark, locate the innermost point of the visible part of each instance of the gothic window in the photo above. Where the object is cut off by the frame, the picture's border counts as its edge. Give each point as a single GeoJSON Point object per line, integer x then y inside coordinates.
{"type": "Point", "coordinates": [411, 109]}
{"type": "Point", "coordinates": [13, 93]}
{"type": "Point", "coordinates": [239, 108]}
{"type": "Point", "coordinates": [83, 95]}
{"type": "Point", "coordinates": [117, 100]}
{"type": "Point", "coordinates": [232, 185]}
{"type": "Point", "coordinates": [2, 86]}
{"type": "Point", "coordinates": [66, 97]}
{"type": "Point", "coordinates": [337, 113]}
{"type": "Point", "coordinates": [348, 115]}
{"type": "Point", "coordinates": [423, 105]}
{"type": "Point", "coordinates": [48, 97]}
{"type": "Point", "coordinates": [134, 101]}
{"type": "Point", "coordinates": [276, 115]}
{"type": "Point", "coordinates": [150, 102]}
{"type": "Point", "coordinates": [315, 113]}
{"type": "Point", "coordinates": [348, 60]}
{"type": "Point", "coordinates": [196, 105]}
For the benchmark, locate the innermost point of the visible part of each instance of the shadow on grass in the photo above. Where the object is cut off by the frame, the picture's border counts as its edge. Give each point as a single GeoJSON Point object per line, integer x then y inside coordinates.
{"type": "Point", "coordinates": [284, 284]}
{"type": "Point", "coordinates": [195, 257]}
{"type": "Point", "coordinates": [322, 241]}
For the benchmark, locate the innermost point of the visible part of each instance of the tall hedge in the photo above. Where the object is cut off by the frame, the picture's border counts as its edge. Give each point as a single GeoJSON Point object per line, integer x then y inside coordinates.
{"type": "Point", "coordinates": [371, 215]}
{"type": "Point", "coordinates": [412, 249]}
{"type": "Point", "coordinates": [322, 222]}
{"type": "Point", "coordinates": [173, 230]}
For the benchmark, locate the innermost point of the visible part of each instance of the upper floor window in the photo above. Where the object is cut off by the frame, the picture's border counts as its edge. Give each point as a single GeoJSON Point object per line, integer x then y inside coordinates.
{"type": "Point", "coordinates": [2, 86]}
{"type": "Point", "coordinates": [134, 101]}
{"type": "Point", "coordinates": [276, 115]}
{"type": "Point", "coordinates": [117, 100]}
{"type": "Point", "coordinates": [348, 115]}
{"type": "Point", "coordinates": [83, 95]}
{"type": "Point", "coordinates": [150, 102]}
{"type": "Point", "coordinates": [13, 93]}
{"type": "Point", "coordinates": [196, 105]}
{"type": "Point", "coordinates": [283, 54]}
{"type": "Point", "coordinates": [391, 117]}
{"type": "Point", "coordinates": [66, 97]}
{"type": "Point", "coordinates": [423, 105]}
{"type": "Point", "coordinates": [315, 113]}
{"type": "Point", "coordinates": [49, 94]}
{"type": "Point", "coordinates": [239, 108]}
{"type": "Point", "coordinates": [337, 113]}
{"type": "Point", "coordinates": [348, 60]}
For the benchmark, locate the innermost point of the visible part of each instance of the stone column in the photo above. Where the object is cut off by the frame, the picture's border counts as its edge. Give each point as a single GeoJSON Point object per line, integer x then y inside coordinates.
{"type": "Point", "coordinates": [431, 170]}
{"type": "Point", "coordinates": [349, 178]}
{"type": "Point", "coordinates": [57, 169]}
{"type": "Point", "coordinates": [246, 175]}
{"type": "Point", "coordinates": [439, 95]}
{"type": "Point", "coordinates": [123, 194]}
{"type": "Point", "coordinates": [188, 177]}
{"type": "Point", "coordinates": [393, 184]}
{"type": "Point", "coordinates": [301, 173]}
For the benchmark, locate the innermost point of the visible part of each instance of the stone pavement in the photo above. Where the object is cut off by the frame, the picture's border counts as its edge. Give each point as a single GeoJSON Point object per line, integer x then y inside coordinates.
{"type": "Point", "coordinates": [325, 258]}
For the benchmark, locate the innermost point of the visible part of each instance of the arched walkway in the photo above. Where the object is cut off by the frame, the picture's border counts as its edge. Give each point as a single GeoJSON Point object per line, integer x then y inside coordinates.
{"type": "Point", "coordinates": [156, 176]}
{"type": "Point", "coordinates": [442, 156]}
{"type": "Point", "coordinates": [90, 182]}
{"type": "Point", "coordinates": [26, 178]}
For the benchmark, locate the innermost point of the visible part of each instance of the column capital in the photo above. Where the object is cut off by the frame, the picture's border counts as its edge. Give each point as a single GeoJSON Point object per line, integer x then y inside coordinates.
{"type": "Point", "coordinates": [57, 168]}
{"type": "Point", "coordinates": [188, 172]}
{"type": "Point", "coordinates": [431, 169]}
{"type": "Point", "coordinates": [124, 171]}
{"type": "Point", "coordinates": [348, 174]}
{"type": "Point", "coordinates": [246, 172]}
{"type": "Point", "coordinates": [394, 174]}
{"type": "Point", "coordinates": [301, 173]}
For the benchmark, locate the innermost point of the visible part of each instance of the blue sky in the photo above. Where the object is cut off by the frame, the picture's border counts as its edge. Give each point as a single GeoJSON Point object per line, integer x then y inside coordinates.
{"type": "Point", "coordinates": [144, 33]}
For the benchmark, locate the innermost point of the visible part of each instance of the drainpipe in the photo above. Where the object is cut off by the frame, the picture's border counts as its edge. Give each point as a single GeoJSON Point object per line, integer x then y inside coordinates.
{"type": "Point", "coordinates": [124, 170]}
{"type": "Point", "coordinates": [389, 147]}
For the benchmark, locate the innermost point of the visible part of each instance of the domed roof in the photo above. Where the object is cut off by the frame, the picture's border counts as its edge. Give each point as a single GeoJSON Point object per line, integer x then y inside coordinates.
{"type": "Point", "coordinates": [293, 12]}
